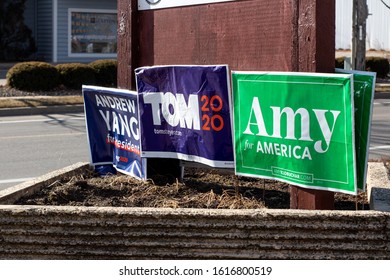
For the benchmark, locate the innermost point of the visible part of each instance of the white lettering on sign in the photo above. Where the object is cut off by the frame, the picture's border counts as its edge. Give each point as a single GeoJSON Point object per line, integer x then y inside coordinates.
{"type": "Point", "coordinates": [174, 109]}
{"type": "Point", "coordinates": [118, 103]}
{"type": "Point", "coordinates": [258, 125]}
{"type": "Point", "coordinates": [160, 4]}
{"type": "Point", "coordinates": [283, 150]}
{"type": "Point", "coordinates": [115, 122]}
{"type": "Point", "coordinates": [121, 124]}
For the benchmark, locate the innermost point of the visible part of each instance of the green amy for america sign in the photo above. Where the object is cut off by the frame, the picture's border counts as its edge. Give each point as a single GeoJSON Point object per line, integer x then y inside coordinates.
{"type": "Point", "coordinates": [295, 127]}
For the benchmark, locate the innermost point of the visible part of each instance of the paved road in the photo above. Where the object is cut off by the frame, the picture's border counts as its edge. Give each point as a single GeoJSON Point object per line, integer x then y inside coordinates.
{"type": "Point", "coordinates": [380, 130]}
{"type": "Point", "coordinates": [35, 145]}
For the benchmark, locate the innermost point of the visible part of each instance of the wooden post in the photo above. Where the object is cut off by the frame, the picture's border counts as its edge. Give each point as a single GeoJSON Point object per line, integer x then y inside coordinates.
{"type": "Point", "coordinates": [252, 35]}
{"type": "Point", "coordinates": [128, 50]}
{"type": "Point", "coordinates": [129, 56]}
{"type": "Point", "coordinates": [311, 199]}
{"type": "Point", "coordinates": [316, 52]}
{"type": "Point", "coordinates": [359, 17]}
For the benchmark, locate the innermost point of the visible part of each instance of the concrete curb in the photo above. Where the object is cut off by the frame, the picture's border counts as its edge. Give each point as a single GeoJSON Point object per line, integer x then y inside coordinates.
{"type": "Point", "coordinates": [378, 187]}
{"type": "Point", "coordinates": [382, 95]}
{"type": "Point", "coordinates": [382, 91]}
{"type": "Point", "coordinates": [42, 110]}
{"type": "Point", "coordinates": [11, 194]}
{"type": "Point", "coordinates": [79, 108]}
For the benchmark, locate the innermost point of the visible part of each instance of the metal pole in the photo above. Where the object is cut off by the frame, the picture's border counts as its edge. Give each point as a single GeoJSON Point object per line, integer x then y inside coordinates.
{"type": "Point", "coordinates": [359, 17]}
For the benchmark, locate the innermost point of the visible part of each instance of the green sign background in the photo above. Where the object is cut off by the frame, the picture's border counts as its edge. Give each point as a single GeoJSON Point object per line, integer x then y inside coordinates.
{"type": "Point", "coordinates": [313, 147]}
{"type": "Point", "coordinates": [364, 90]}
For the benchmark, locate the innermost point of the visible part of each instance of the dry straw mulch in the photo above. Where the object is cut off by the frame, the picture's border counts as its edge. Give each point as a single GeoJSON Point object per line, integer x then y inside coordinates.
{"type": "Point", "coordinates": [199, 189]}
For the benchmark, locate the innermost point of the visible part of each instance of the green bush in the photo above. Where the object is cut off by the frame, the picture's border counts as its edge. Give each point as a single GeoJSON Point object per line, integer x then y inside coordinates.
{"type": "Point", "coordinates": [33, 76]}
{"type": "Point", "coordinates": [379, 65]}
{"type": "Point", "coordinates": [74, 75]}
{"type": "Point", "coordinates": [105, 72]}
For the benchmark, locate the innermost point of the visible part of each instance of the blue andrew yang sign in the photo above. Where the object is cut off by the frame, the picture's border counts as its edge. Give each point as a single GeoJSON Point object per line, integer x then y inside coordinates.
{"type": "Point", "coordinates": [113, 129]}
{"type": "Point", "coordinates": [185, 113]}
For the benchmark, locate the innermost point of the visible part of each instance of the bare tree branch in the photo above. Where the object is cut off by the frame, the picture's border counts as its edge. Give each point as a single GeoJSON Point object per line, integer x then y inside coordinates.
{"type": "Point", "coordinates": [388, 6]}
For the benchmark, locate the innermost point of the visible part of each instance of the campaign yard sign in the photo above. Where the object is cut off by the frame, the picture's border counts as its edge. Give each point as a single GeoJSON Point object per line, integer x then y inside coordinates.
{"type": "Point", "coordinates": [185, 113]}
{"type": "Point", "coordinates": [364, 90]}
{"type": "Point", "coordinates": [113, 129]}
{"type": "Point", "coordinates": [295, 127]}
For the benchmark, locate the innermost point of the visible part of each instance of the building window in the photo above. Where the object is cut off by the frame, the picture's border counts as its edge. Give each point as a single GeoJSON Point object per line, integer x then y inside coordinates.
{"type": "Point", "coordinates": [92, 33]}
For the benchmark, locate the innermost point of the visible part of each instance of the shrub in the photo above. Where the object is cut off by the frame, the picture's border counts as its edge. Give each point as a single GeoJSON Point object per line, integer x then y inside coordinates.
{"type": "Point", "coordinates": [105, 72]}
{"type": "Point", "coordinates": [379, 65]}
{"type": "Point", "coordinates": [374, 64]}
{"type": "Point", "coordinates": [339, 63]}
{"type": "Point", "coordinates": [74, 75]}
{"type": "Point", "coordinates": [33, 76]}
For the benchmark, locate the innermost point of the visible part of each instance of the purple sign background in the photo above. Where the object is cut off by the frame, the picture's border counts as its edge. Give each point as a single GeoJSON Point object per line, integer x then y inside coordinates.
{"type": "Point", "coordinates": [113, 130]}
{"type": "Point", "coordinates": [185, 113]}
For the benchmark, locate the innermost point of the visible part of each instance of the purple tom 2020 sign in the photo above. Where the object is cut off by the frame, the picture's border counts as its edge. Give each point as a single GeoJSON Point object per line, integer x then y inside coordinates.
{"type": "Point", "coordinates": [185, 113]}
{"type": "Point", "coordinates": [113, 129]}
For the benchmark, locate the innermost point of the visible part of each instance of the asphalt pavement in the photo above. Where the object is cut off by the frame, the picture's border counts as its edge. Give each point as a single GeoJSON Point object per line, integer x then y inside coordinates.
{"type": "Point", "coordinates": [35, 145]}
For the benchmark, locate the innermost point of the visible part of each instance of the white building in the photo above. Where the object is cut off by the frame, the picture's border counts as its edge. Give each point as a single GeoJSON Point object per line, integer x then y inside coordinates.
{"type": "Point", "coordinates": [378, 25]}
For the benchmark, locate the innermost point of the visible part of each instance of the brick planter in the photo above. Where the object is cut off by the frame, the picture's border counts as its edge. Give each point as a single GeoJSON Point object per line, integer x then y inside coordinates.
{"type": "Point", "coordinates": [63, 232]}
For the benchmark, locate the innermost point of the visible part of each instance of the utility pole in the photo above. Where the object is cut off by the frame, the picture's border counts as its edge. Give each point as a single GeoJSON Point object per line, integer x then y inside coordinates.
{"type": "Point", "coordinates": [359, 17]}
